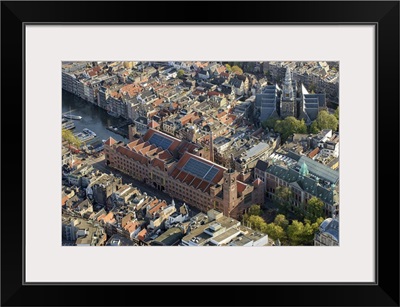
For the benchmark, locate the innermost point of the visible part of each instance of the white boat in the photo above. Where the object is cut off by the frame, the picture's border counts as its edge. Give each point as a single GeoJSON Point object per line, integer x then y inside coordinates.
{"type": "Point", "coordinates": [84, 137]}
{"type": "Point", "coordinates": [71, 116]}
{"type": "Point", "coordinates": [88, 131]}
{"type": "Point", "coordinates": [68, 125]}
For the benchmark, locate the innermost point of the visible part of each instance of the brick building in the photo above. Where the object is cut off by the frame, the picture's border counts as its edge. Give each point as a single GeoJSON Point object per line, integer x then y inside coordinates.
{"type": "Point", "coordinates": [180, 169]}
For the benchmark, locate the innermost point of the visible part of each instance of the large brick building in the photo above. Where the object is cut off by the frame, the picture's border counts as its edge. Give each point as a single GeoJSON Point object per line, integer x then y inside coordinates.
{"type": "Point", "coordinates": [180, 169]}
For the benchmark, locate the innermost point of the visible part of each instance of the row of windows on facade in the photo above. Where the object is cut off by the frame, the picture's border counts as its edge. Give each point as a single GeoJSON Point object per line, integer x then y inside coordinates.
{"type": "Point", "coordinates": [197, 196]}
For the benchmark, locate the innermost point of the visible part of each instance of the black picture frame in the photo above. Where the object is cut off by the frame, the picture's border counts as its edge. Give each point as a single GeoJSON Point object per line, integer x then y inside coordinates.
{"type": "Point", "coordinates": [15, 15]}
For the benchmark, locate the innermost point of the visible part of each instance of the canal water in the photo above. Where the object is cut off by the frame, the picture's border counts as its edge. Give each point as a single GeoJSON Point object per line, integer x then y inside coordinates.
{"type": "Point", "coordinates": [93, 118]}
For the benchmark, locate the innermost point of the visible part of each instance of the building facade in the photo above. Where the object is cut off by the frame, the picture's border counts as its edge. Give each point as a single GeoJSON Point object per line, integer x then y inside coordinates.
{"type": "Point", "coordinates": [179, 168]}
{"type": "Point", "coordinates": [306, 179]}
{"type": "Point", "coordinates": [328, 233]}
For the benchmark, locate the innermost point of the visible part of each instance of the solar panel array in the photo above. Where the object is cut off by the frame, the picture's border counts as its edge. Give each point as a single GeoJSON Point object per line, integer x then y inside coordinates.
{"type": "Point", "coordinates": [160, 141]}
{"type": "Point", "coordinates": [200, 169]}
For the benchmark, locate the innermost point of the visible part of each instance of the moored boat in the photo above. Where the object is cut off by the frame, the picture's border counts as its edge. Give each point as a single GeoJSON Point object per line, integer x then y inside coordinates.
{"type": "Point", "coordinates": [71, 116]}
{"type": "Point", "coordinates": [88, 131]}
{"type": "Point", "coordinates": [68, 124]}
{"type": "Point", "coordinates": [84, 137]}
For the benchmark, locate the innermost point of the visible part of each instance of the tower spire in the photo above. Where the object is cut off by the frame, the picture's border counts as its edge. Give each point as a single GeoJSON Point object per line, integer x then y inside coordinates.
{"type": "Point", "coordinates": [288, 76]}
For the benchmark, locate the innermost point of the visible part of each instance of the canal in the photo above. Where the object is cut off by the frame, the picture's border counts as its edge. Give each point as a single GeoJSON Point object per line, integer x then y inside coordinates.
{"type": "Point", "coordinates": [93, 117]}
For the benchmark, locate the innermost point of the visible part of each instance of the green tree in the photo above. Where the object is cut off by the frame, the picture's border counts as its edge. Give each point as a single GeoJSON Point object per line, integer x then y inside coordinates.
{"type": "Point", "coordinates": [316, 224]}
{"type": "Point", "coordinates": [283, 197]}
{"type": "Point", "coordinates": [255, 210]}
{"type": "Point", "coordinates": [256, 222]}
{"type": "Point", "coordinates": [289, 126]}
{"type": "Point", "coordinates": [315, 209]}
{"type": "Point", "coordinates": [280, 220]}
{"type": "Point", "coordinates": [299, 233]}
{"type": "Point", "coordinates": [237, 70]}
{"type": "Point", "coordinates": [180, 73]}
{"type": "Point", "coordinates": [70, 138]}
{"type": "Point", "coordinates": [308, 234]}
{"type": "Point", "coordinates": [326, 121]}
{"type": "Point", "coordinates": [295, 233]}
{"type": "Point", "coordinates": [270, 123]}
{"type": "Point", "coordinates": [336, 114]}
{"type": "Point", "coordinates": [275, 231]}
{"type": "Point", "coordinates": [228, 67]}
{"type": "Point", "coordinates": [314, 128]}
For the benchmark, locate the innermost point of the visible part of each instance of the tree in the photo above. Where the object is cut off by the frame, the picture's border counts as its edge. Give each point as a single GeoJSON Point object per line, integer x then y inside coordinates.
{"type": "Point", "coordinates": [283, 197]}
{"type": "Point", "coordinates": [255, 210]}
{"type": "Point", "coordinates": [256, 222]}
{"type": "Point", "coordinates": [314, 128]}
{"type": "Point", "coordinates": [300, 233]}
{"type": "Point", "coordinates": [326, 121]}
{"type": "Point", "coordinates": [68, 136]}
{"type": "Point", "coordinates": [274, 231]}
{"type": "Point", "coordinates": [295, 233]}
{"type": "Point", "coordinates": [270, 123]}
{"type": "Point", "coordinates": [228, 67]}
{"type": "Point", "coordinates": [289, 126]}
{"type": "Point", "coordinates": [312, 88]}
{"type": "Point", "coordinates": [237, 70]}
{"type": "Point", "coordinates": [336, 114]}
{"type": "Point", "coordinates": [180, 73]}
{"type": "Point", "coordinates": [315, 209]}
{"type": "Point", "coordinates": [316, 224]}
{"type": "Point", "coordinates": [280, 220]}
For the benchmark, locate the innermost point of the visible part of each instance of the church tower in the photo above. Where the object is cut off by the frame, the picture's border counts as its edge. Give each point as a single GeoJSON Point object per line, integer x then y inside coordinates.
{"type": "Point", "coordinates": [288, 98]}
{"type": "Point", "coordinates": [229, 188]}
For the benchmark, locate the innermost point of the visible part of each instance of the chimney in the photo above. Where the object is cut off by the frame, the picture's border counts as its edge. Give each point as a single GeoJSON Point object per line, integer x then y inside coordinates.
{"type": "Point", "coordinates": [211, 147]}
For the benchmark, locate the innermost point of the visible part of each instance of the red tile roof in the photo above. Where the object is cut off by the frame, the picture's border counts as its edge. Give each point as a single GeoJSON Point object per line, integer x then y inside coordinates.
{"type": "Point", "coordinates": [219, 115]}
{"type": "Point", "coordinates": [157, 102]}
{"type": "Point", "coordinates": [131, 154]}
{"type": "Point", "coordinates": [158, 207]}
{"type": "Point", "coordinates": [164, 155]}
{"type": "Point", "coordinates": [181, 176]}
{"type": "Point", "coordinates": [186, 119]}
{"type": "Point", "coordinates": [131, 89]}
{"type": "Point", "coordinates": [313, 153]}
{"type": "Point", "coordinates": [101, 217]}
{"type": "Point", "coordinates": [214, 93]}
{"type": "Point", "coordinates": [131, 226]}
{"type": "Point", "coordinates": [153, 124]}
{"type": "Point", "coordinates": [64, 200]}
{"type": "Point", "coordinates": [188, 179]}
{"type": "Point", "coordinates": [110, 141]}
{"type": "Point", "coordinates": [196, 183]}
{"type": "Point", "coordinates": [158, 163]}
{"type": "Point", "coordinates": [241, 186]}
{"type": "Point", "coordinates": [142, 234]}
{"type": "Point", "coordinates": [203, 186]}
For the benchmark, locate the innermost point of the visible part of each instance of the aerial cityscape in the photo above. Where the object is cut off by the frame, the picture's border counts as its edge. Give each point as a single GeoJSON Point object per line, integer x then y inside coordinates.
{"type": "Point", "coordinates": [200, 153]}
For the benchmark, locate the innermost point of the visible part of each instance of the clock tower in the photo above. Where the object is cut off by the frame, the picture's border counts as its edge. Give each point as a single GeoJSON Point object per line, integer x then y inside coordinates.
{"type": "Point", "coordinates": [229, 188]}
